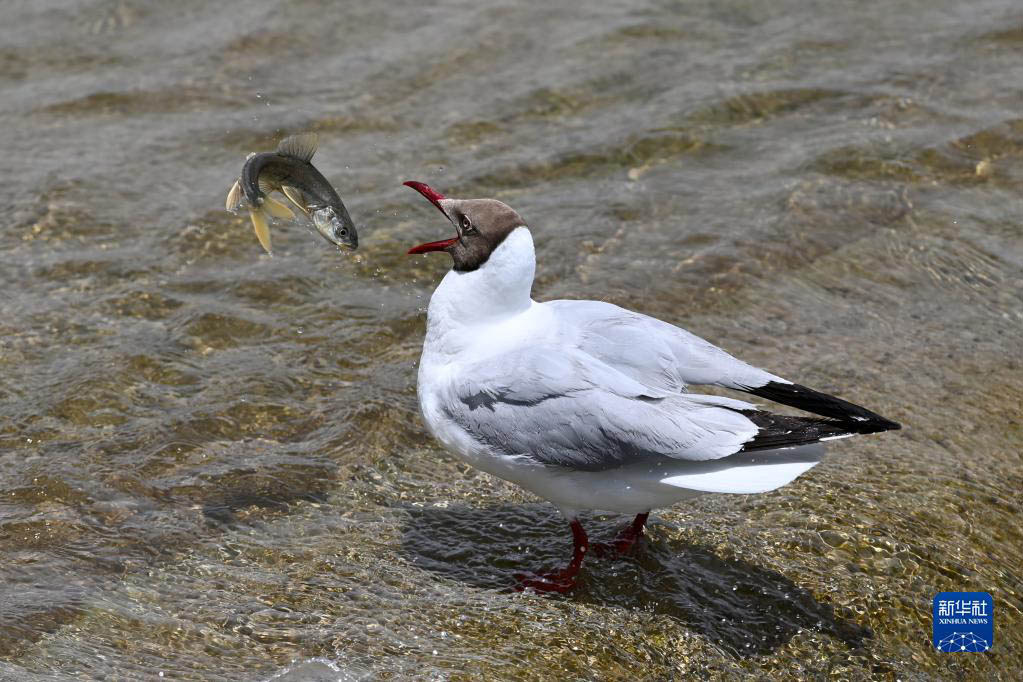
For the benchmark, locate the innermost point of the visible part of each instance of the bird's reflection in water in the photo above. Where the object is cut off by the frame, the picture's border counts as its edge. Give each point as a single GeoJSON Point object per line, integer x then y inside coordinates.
{"type": "Point", "coordinates": [746, 609]}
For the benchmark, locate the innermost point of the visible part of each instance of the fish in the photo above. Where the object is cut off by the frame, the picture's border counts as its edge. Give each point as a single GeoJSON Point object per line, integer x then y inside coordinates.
{"type": "Point", "coordinates": [289, 170]}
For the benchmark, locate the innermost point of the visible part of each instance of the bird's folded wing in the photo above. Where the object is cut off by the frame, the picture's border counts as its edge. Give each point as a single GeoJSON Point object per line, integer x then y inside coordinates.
{"type": "Point", "coordinates": [663, 355]}
{"type": "Point", "coordinates": [571, 409]}
{"type": "Point", "coordinates": [652, 351]}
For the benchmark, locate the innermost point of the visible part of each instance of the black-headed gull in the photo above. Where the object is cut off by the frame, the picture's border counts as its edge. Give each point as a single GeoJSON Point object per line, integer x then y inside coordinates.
{"type": "Point", "coordinates": [585, 404]}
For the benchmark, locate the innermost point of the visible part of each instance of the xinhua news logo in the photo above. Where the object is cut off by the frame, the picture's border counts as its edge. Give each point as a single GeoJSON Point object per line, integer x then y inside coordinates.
{"type": "Point", "coordinates": [963, 622]}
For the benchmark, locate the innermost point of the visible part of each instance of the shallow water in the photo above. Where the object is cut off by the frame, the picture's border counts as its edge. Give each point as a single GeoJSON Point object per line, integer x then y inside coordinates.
{"type": "Point", "coordinates": [211, 461]}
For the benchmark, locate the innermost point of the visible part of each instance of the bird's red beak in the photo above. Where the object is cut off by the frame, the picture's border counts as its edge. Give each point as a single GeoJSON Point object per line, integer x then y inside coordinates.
{"type": "Point", "coordinates": [432, 246]}
{"type": "Point", "coordinates": [434, 196]}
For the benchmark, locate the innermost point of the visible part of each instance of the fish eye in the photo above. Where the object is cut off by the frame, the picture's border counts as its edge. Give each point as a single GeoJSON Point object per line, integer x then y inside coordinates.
{"type": "Point", "coordinates": [467, 227]}
{"type": "Point", "coordinates": [343, 232]}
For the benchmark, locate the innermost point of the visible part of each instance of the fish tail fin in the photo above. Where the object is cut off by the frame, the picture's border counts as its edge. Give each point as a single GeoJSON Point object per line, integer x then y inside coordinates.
{"type": "Point", "coordinates": [277, 209]}
{"type": "Point", "coordinates": [234, 196]}
{"type": "Point", "coordinates": [259, 224]}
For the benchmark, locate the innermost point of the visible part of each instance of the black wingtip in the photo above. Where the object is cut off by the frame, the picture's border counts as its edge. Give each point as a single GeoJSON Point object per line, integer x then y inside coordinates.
{"type": "Point", "coordinates": [881, 424]}
{"type": "Point", "coordinates": [857, 419]}
{"type": "Point", "coordinates": [782, 431]}
{"type": "Point", "coordinates": [776, 431]}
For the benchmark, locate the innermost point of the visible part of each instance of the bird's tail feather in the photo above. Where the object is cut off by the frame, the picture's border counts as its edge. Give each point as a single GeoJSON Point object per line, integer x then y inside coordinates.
{"type": "Point", "coordinates": [748, 473]}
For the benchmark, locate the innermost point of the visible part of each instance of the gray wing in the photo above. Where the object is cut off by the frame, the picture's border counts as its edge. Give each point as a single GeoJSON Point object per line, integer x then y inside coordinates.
{"type": "Point", "coordinates": [571, 409]}
{"type": "Point", "coordinates": [654, 352]}
{"type": "Point", "coordinates": [663, 355]}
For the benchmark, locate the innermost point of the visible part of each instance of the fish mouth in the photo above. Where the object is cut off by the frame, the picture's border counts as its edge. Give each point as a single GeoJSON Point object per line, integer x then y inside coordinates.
{"type": "Point", "coordinates": [435, 198]}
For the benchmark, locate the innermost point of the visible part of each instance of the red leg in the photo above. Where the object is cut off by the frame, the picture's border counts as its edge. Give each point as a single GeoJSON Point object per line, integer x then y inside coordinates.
{"type": "Point", "coordinates": [625, 540]}
{"type": "Point", "coordinates": [563, 580]}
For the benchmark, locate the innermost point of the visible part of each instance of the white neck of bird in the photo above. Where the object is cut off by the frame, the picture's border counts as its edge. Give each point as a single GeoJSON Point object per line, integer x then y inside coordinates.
{"type": "Point", "coordinates": [498, 288]}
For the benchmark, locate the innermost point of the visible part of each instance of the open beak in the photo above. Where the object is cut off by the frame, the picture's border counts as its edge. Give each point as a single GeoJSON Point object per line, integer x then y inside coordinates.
{"type": "Point", "coordinates": [434, 196]}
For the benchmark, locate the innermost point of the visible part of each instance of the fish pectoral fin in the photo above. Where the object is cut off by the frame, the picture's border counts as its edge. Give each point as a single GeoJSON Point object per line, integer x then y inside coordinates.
{"type": "Point", "coordinates": [277, 209]}
{"type": "Point", "coordinates": [301, 146]}
{"type": "Point", "coordinates": [296, 197]}
{"type": "Point", "coordinates": [262, 229]}
{"type": "Point", "coordinates": [234, 197]}
{"type": "Point", "coordinates": [266, 186]}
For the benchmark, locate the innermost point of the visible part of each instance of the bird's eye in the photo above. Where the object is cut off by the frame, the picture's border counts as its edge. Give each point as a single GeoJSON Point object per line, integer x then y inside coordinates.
{"type": "Point", "coordinates": [467, 227]}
